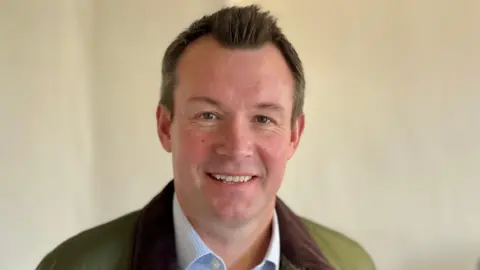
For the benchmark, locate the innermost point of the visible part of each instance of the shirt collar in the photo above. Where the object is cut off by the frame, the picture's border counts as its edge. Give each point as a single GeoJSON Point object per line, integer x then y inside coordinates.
{"type": "Point", "coordinates": [190, 247]}
{"type": "Point", "coordinates": [273, 252]}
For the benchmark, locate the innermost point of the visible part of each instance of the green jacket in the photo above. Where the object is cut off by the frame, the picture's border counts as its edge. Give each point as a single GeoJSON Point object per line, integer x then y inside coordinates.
{"type": "Point", "coordinates": [144, 240]}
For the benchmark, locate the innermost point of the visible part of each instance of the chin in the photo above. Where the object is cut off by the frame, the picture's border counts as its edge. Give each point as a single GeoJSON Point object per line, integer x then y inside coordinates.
{"type": "Point", "coordinates": [236, 212]}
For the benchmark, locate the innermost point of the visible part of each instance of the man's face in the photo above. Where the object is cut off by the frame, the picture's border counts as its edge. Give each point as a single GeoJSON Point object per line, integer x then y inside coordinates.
{"type": "Point", "coordinates": [231, 135]}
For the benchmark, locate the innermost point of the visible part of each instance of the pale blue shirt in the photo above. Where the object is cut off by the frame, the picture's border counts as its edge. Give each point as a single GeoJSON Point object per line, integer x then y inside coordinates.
{"type": "Point", "coordinates": [193, 253]}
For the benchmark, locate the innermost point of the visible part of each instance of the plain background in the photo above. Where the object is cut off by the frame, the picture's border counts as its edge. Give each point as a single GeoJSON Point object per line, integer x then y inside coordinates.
{"type": "Point", "coordinates": [390, 155]}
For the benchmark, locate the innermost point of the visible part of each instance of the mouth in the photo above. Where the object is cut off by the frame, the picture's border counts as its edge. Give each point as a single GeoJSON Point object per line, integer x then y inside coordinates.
{"type": "Point", "coordinates": [231, 179]}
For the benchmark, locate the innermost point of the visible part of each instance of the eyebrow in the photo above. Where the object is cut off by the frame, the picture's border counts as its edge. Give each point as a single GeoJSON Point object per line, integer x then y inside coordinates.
{"type": "Point", "coordinates": [203, 99]}
{"type": "Point", "coordinates": [262, 106]}
{"type": "Point", "coordinates": [270, 106]}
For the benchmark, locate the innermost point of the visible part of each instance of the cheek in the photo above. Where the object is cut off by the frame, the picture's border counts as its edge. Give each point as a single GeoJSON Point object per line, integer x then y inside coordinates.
{"type": "Point", "coordinates": [274, 150]}
{"type": "Point", "coordinates": [191, 145]}
{"type": "Point", "coordinates": [274, 155]}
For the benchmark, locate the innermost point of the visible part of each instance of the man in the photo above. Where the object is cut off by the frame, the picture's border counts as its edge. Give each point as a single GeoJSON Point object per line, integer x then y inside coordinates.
{"type": "Point", "coordinates": [231, 114]}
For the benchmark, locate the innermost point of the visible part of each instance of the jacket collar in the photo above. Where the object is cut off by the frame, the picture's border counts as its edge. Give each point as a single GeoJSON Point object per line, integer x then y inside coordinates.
{"type": "Point", "coordinates": [154, 243]}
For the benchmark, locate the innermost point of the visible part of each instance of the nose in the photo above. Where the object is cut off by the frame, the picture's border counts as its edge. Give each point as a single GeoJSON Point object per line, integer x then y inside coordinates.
{"type": "Point", "coordinates": [235, 140]}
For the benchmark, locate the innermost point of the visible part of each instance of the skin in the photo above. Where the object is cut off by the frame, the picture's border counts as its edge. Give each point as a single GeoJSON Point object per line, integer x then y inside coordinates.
{"type": "Point", "coordinates": [232, 116]}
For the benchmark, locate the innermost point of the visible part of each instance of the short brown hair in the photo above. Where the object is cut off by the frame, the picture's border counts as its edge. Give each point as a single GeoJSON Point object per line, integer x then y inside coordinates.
{"type": "Point", "coordinates": [234, 27]}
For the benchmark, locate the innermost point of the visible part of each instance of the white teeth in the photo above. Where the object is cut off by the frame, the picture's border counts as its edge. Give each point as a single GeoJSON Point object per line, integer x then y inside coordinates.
{"type": "Point", "coordinates": [232, 179]}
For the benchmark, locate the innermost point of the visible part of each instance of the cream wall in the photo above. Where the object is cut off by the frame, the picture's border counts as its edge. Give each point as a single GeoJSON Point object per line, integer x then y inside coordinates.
{"type": "Point", "coordinates": [45, 127]}
{"type": "Point", "coordinates": [390, 153]}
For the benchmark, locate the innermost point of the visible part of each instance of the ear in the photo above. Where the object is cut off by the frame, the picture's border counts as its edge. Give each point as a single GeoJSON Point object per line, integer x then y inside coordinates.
{"type": "Point", "coordinates": [296, 133]}
{"type": "Point", "coordinates": [164, 126]}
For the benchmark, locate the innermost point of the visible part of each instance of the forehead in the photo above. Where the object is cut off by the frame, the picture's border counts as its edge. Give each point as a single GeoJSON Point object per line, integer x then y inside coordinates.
{"type": "Point", "coordinates": [208, 68]}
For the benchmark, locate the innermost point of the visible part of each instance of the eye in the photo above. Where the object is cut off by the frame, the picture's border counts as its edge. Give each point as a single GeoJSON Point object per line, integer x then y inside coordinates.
{"type": "Point", "coordinates": [263, 119]}
{"type": "Point", "coordinates": [208, 116]}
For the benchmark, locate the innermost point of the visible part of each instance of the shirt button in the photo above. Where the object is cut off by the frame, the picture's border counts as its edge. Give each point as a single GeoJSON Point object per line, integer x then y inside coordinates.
{"type": "Point", "coordinates": [215, 263]}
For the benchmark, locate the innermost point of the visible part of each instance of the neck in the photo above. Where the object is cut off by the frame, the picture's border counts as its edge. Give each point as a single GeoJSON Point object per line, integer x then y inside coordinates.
{"type": "Point", "coordinates": [241, 247]}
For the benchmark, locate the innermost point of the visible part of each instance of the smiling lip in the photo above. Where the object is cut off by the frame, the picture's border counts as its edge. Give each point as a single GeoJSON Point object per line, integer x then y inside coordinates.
{"type": "Point", "coordinates": [232, 174]}
{"type": "Point", "coordinates": [232, 178]}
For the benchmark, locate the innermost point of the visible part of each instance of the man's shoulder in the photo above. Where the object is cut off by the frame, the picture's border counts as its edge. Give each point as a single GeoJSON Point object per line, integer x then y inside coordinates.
{"type": "Point", "coordinates": [340, 250]}
{"type": "Point", "coordinates": [106, 246]}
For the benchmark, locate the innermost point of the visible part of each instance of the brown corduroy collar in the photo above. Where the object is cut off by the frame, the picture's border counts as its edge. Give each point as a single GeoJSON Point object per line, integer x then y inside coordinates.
{"type": "Point", "coordinates": [154, 243]}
